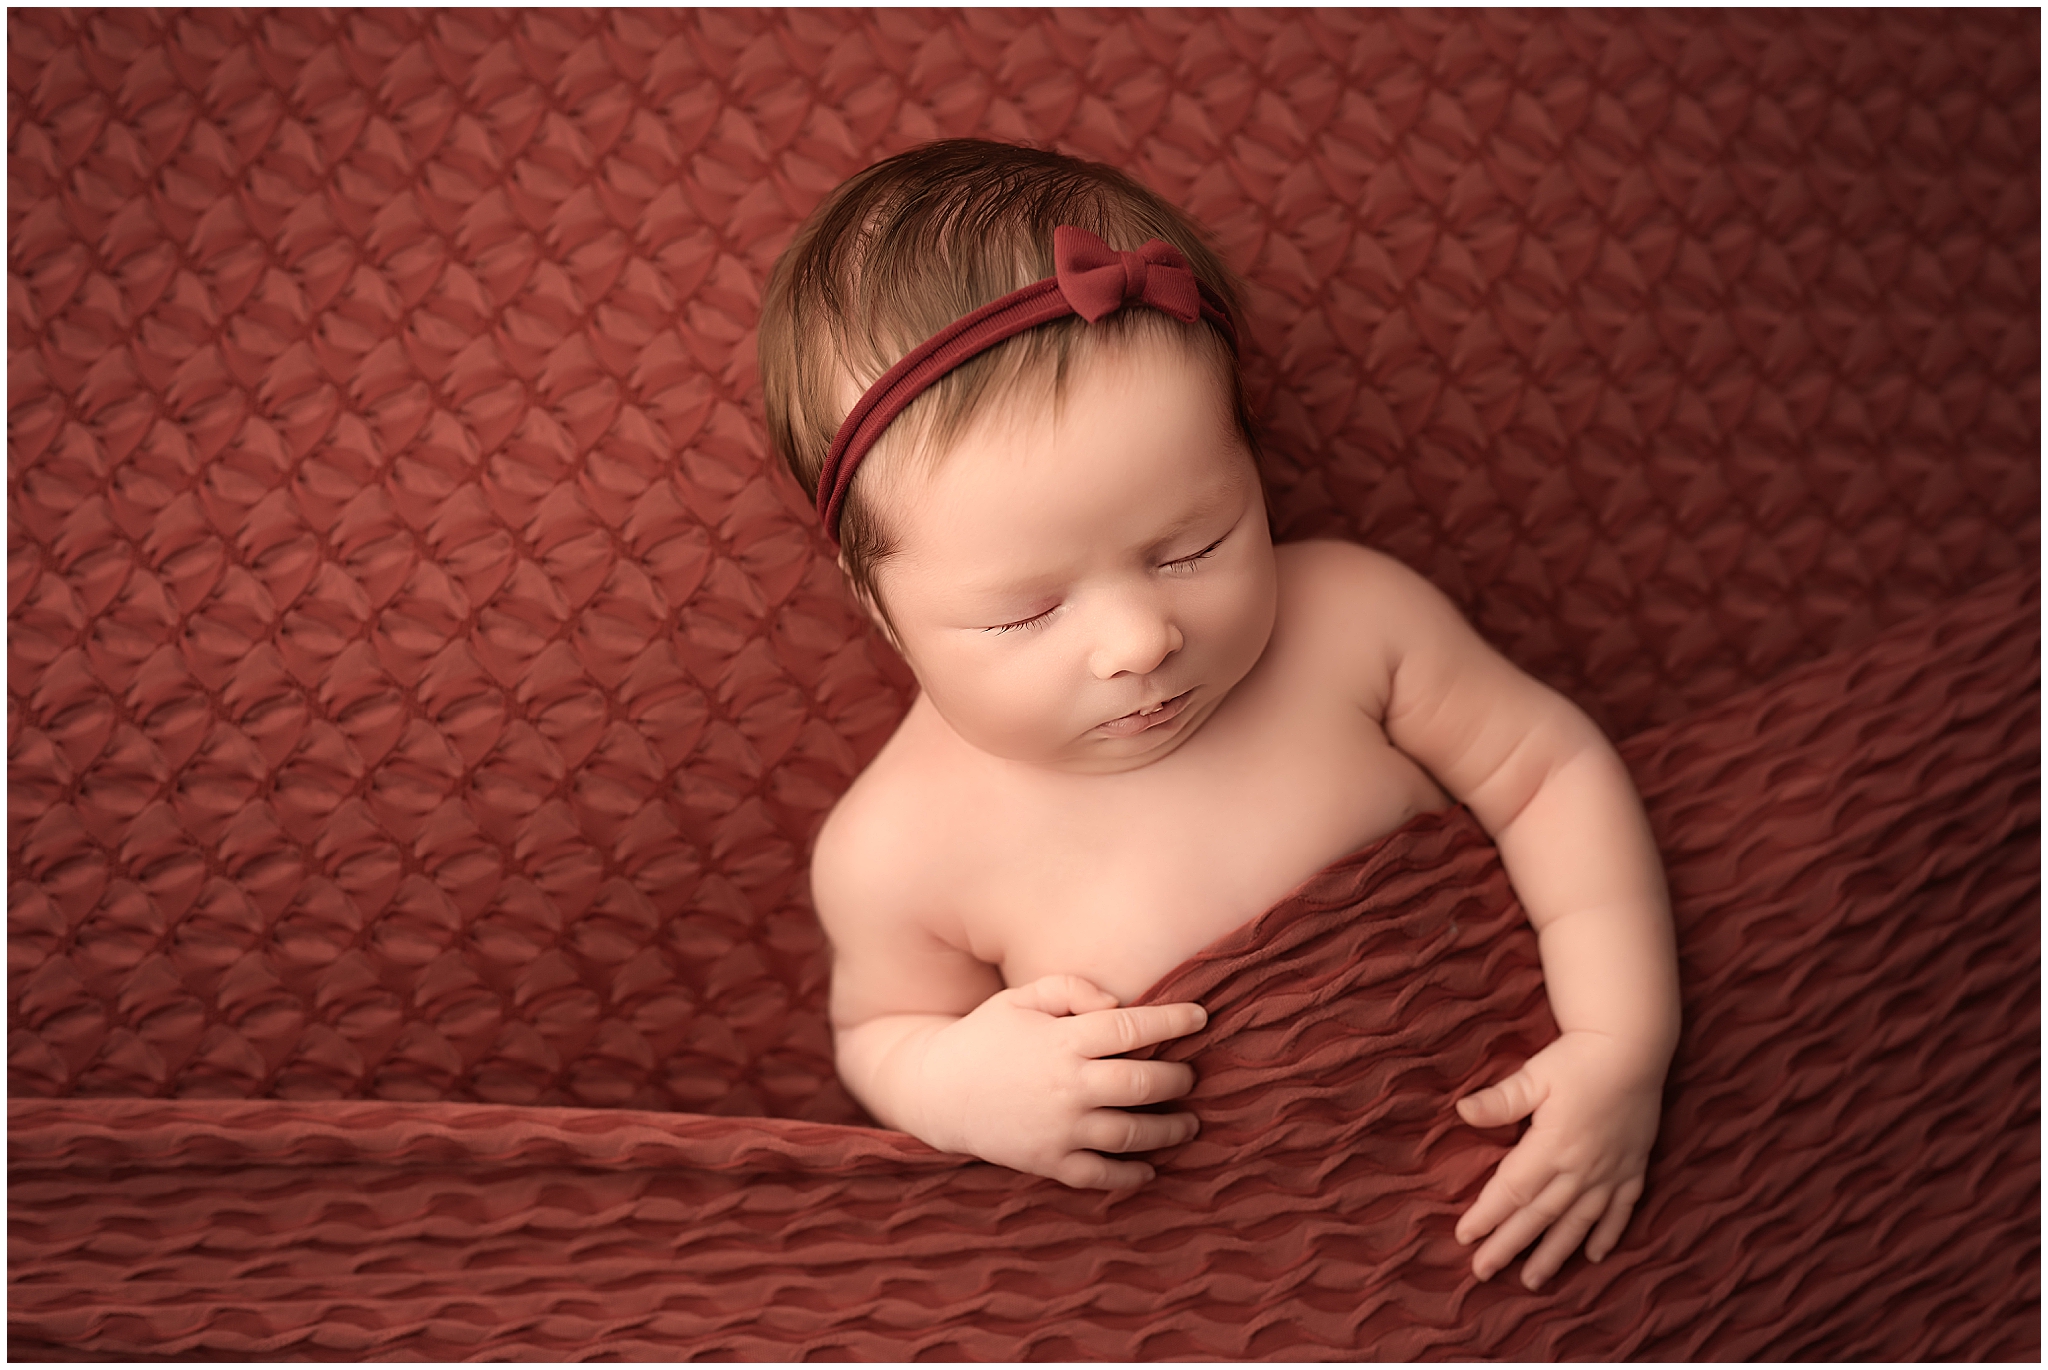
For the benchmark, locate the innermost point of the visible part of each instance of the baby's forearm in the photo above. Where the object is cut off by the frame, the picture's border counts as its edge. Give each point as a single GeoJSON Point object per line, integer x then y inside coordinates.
{"type": "Point", "coordinates": [879, 1061]}
{"type": "Point", "coordinates": [1019, 1080]}
{"type": "Point", "coordinates": [1584, 864]}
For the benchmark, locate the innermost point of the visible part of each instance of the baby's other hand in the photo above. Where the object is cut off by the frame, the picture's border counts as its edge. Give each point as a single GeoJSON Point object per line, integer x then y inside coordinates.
{"type": "Point", "coordinates": [1579, 1168]}
{"type": "Point", "coordinates": [1019, 1081]}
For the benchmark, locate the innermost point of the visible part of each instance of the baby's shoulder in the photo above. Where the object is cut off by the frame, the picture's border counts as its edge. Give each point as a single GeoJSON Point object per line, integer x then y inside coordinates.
{"type": "Point", "coordinates": [884, 841]}
{"type": "Point", "coordinates": [1329, 571]}
{"type": "Point", "coordinates": [1344, 597]}
{"type": "Point", "coordinates": [1349, 616]}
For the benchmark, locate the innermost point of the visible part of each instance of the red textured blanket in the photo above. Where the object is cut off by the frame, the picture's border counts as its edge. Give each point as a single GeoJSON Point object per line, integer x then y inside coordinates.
{"type": "Point", "coordinates": [1848, 1167]}
{"type": "Point", "coordinates": [421, 696]}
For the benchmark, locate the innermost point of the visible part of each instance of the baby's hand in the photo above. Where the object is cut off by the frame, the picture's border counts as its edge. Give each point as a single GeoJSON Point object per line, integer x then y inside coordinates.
{"type": "Point", "coordinates": [1579, 1167]}
{"type": "Point", "coordinates": [1018, 1082]}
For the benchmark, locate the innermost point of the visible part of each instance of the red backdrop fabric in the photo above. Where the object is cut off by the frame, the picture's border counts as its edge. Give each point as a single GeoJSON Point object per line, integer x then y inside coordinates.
{"type": "Point", "coordinates": [421, 691]}
{"type": "Point", "coordinates": [1846, 1171]}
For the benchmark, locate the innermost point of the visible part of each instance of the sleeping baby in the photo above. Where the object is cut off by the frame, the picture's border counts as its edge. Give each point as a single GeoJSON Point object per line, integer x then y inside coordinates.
{"type": "Point", "coordinates": [1010, 381]}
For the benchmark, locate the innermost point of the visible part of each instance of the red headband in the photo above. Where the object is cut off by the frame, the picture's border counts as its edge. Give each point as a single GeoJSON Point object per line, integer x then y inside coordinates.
{"type": "Point", "coordinates": [1089, 279]}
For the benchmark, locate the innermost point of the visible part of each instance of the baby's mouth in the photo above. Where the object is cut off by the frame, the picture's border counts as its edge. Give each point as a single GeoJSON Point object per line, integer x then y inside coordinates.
{"type": "Point", "coordinates": [1138, 720]}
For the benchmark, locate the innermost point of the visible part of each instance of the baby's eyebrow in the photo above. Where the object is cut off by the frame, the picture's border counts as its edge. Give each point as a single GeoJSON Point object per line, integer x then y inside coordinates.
{"type": "Point", "coordinates": [1216, 501]}
{"type": "Point", "coordinates": [1039, 584]}
{"type": "Point", "coordinates": [1200, 514]}
{"type": "Point", "coordinates": [995, 593]}
{"type": "Point", "coordinates": [1004, 592]}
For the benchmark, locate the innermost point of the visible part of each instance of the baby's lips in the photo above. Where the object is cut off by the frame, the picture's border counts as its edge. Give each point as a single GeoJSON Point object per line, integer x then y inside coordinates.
{"type": "Point", "coordinates": [1133, 723]}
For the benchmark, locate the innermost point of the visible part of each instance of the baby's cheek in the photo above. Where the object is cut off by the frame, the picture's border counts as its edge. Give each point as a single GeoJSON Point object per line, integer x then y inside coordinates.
{"type": "Point", "coordinates": [1237, 624]}
{"type": "Point", "coordinates": [1033, 712]}
{"type": "Point", "coordinates": [1006, 709]}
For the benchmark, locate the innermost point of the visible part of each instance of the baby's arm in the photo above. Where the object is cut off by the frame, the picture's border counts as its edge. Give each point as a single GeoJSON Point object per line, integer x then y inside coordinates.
{"type": "Point", "coordinates": [1540, 777]}
{"type": "Point", "coordinates": [932, 1044]}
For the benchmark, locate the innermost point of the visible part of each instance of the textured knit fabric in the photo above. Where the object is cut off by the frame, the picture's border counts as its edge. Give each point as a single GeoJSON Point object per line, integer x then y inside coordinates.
{"type": "Point", "coordinates": [423, 692]}
{"type": "Point", "coordinates": [1848, 1167]}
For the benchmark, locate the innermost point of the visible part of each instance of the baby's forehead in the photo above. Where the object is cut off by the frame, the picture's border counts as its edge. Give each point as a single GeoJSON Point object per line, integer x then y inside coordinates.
{"type": "Point", "coordinates": [1034, 382]}
{"type": "Point", "coordinates": [1127, 463]}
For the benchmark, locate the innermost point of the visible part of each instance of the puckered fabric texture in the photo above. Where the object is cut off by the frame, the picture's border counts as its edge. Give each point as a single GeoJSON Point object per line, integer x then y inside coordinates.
{"type": "Point", "coordinates": [422, 692]}
{"type": "Point", "coordinates": [1847, 1168]}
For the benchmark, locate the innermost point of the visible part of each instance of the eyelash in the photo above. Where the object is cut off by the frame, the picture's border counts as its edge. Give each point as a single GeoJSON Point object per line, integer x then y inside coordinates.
{"type": "Point", "coordinates": [1184, 563]}
{"type": "Point", "coordinates": [1202, 555]}
{"type": "Point", "coordinates": [1031, 622]}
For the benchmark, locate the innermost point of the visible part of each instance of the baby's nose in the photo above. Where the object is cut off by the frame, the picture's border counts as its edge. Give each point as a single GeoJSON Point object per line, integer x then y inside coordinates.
{"type": "Point", "coordinates": [1134, 640]}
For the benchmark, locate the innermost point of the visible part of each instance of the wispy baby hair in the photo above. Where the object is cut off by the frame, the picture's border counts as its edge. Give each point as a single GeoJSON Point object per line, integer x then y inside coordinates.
{"type": "Point", "coordinates": [906, 247]}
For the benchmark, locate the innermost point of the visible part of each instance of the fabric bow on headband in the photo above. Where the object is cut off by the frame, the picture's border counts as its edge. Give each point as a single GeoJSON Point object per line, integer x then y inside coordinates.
{"type": "Point", "coordinates": [1097, 280]}
{"type": "Point", "coordinates": [1090, 278]}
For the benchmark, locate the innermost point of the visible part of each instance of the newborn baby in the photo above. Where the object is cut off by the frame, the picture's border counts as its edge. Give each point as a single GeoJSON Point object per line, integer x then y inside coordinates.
{"type": "Point", "coordinates": [1010, 381]}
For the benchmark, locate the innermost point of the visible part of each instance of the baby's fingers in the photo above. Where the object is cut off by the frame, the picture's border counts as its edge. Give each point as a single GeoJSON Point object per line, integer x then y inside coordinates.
{"type": "Point", "coordinates": [1498, 1105]}
{"type": "Point", "coordinates": [1612, 1223]}
{"type": "Point", "coordinates": [1110, 1129]}
{"type": "Point", "coordinates": [1126, 1084]}
{"type": "Point", "coordinates": [1092, 1170]}
{"type": "Point", "coordinates": [1113, 1129]}
{"type": "Point", "coordinates": [1563, 1238]}
{"type": "Point", "coordinates": [1111, 1032]}
{"type": "Point", "coordinates": [1523, 1225]}
{"type": "Point", "coordinates": [1519, 1181]}
{"type": "Point", "coordinates": [1060, 995]}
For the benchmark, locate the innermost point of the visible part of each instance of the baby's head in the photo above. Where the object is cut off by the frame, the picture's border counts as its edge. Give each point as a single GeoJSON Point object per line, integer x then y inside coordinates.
{"type": "Point", "coordinates": [1068, 527]}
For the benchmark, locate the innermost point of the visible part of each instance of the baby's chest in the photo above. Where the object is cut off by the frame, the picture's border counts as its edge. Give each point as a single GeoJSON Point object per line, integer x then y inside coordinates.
{"type": "Point", "coordinates": [1124, 885]}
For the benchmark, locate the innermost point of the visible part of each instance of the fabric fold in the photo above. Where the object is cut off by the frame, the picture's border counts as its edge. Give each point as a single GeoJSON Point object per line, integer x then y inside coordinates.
{"type": "Point", "coordinates": [1849, 1142]}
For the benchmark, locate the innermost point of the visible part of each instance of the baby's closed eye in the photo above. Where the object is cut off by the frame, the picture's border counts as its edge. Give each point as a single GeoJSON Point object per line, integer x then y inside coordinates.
{"type": "Point", "coordinates": [1034, 621]}
{"type": "Point", "coordinates": [1188, 562]}
{"type": "Point", "coordinates": [1178, 565]}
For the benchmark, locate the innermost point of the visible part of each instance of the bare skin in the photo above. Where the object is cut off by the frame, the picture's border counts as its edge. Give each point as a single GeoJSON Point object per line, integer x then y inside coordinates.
{"type": "Point", "coordinates": [1032, 849]}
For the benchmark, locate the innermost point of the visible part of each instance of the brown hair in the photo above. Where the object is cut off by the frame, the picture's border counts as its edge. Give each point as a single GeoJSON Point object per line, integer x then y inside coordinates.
{"type": "Point", "coordinates": [901, 250]}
